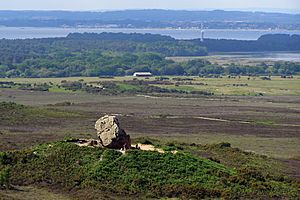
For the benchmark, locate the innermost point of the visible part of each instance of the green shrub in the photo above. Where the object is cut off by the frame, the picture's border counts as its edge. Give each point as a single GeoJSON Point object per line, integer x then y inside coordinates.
{"type": "Point", "coordinates": [5, 178]}
{"type": "Point", "coordinates": [224, 145]}
{"type": "Point", "coordinates": [145, 173]}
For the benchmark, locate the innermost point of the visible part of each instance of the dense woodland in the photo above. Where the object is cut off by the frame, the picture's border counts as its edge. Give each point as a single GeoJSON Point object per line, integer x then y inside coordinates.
{"type": "Point", "coordinates": [269, 42]}
{"type": "Point", "coordinates": [118, 54]}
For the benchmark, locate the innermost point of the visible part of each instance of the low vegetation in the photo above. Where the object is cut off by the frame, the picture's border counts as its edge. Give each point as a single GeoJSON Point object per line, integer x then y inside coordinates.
{"type": "Point", "coordinates": [13, 114]}
{"type": "Point", "coordinates": [162, 85]}
{"type": "Point", "coordinates": [196, 171]}
{"type": "Point", "coordinates": [145, 174]}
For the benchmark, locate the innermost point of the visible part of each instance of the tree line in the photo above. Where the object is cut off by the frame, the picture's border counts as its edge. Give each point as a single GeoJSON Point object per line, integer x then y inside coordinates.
{"type": "Point", "coordinates": [269, 42]}
{"type": "Point", "coordinates": [116, 54]}
{"type": "Point", "coordinates": [106, 64]}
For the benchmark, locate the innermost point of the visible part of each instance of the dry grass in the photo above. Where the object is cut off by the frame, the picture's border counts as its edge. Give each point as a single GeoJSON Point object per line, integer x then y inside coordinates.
{"type": "Point", "coordinates": [31, 193]}
{"type": "Point", "coordinates": [167, 118]}
{"type": "Point", "coordinates": [285, 148]}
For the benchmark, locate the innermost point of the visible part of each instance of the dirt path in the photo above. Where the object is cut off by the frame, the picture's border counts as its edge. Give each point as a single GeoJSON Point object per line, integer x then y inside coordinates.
{"type": "Point", "coordinates": [149, 147]}
{"type": "Point", "coordinates": [30, 193]}
{"type": "Point", "coordinates": [225, 120]}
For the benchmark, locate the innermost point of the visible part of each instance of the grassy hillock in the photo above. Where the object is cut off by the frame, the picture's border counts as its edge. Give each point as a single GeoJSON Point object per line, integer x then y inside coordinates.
{"type": "Point", "coordinates": [93, 172]}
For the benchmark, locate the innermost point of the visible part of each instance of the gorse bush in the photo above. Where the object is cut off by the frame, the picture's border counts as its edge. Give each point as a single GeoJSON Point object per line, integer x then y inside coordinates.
{"type": "Point", "coordinates": [5, 177]}
{"type": "Point", "coordinates": [141, 173]}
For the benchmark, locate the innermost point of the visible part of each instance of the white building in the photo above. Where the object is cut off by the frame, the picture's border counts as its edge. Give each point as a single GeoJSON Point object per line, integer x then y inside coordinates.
{"type": "Point", "coordinates": [142, 74]}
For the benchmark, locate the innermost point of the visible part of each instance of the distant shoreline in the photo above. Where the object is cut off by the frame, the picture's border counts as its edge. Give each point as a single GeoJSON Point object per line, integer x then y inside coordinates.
{"type": "Point", "coordinates": [184, 34]}
{"type": "Point", "coordinates": [167, 28]}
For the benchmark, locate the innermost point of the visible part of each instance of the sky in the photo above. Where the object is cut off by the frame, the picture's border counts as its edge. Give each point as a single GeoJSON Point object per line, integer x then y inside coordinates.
{"type": "Point", "coordinates": [98, 5]}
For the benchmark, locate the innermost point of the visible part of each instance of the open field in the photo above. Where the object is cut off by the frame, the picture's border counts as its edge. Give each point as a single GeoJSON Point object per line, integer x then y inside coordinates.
{"type": "Point", "coordinates": [252, 86]}
{"type": "Point", "coordinates": [243, 58]}
{"type": "Point", "coordinates": [265, 125]}
{"type": "Point", "coordinates": [270, 123]}
{"type": "Point", "coordinates": [242, 86]}
{"type": "Point", "coordinates": [220, 60]}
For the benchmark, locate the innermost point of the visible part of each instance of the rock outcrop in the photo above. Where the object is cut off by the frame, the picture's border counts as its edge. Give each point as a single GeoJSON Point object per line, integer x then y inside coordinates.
{"type": "Point", "coordinates": [110, 133]}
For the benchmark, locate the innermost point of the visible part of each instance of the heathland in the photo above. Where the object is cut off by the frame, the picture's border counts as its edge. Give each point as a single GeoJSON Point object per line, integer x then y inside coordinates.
{"type": "Point", "coordinates": [234, 128]}
{"type": "Point", "coordinates": [240, 139]}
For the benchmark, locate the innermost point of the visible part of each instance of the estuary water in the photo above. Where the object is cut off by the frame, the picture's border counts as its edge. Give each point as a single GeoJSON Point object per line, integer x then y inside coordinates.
{"type": "Point", "coordinates": [33, 32]}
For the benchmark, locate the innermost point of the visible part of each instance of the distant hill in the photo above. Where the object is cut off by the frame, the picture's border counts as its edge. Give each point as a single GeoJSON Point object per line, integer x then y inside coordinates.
{"type": "Point", "coordinates": [151, 18]}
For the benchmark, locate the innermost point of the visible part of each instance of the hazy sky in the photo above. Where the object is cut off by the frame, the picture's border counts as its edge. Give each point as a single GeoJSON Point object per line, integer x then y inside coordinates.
{"type": "Point", "coordinates": [268, 5]}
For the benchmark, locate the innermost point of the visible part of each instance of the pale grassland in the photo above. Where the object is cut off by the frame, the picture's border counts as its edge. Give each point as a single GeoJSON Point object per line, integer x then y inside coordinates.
{"type": "Point", "coordinates": [276, 141]}
{"type": "Point", "coordinates": [224, 86]}
{"type": "Point", "coordinates": [219, 86]}
{"type": "Point", "coordinates": [224, 59]}
{"type": "Point", "coordinates": [284, 148]}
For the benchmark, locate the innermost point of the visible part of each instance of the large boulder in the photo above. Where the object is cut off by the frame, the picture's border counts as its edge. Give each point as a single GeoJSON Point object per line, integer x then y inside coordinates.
{"type": "Point", "coordinates": [110, 133]}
